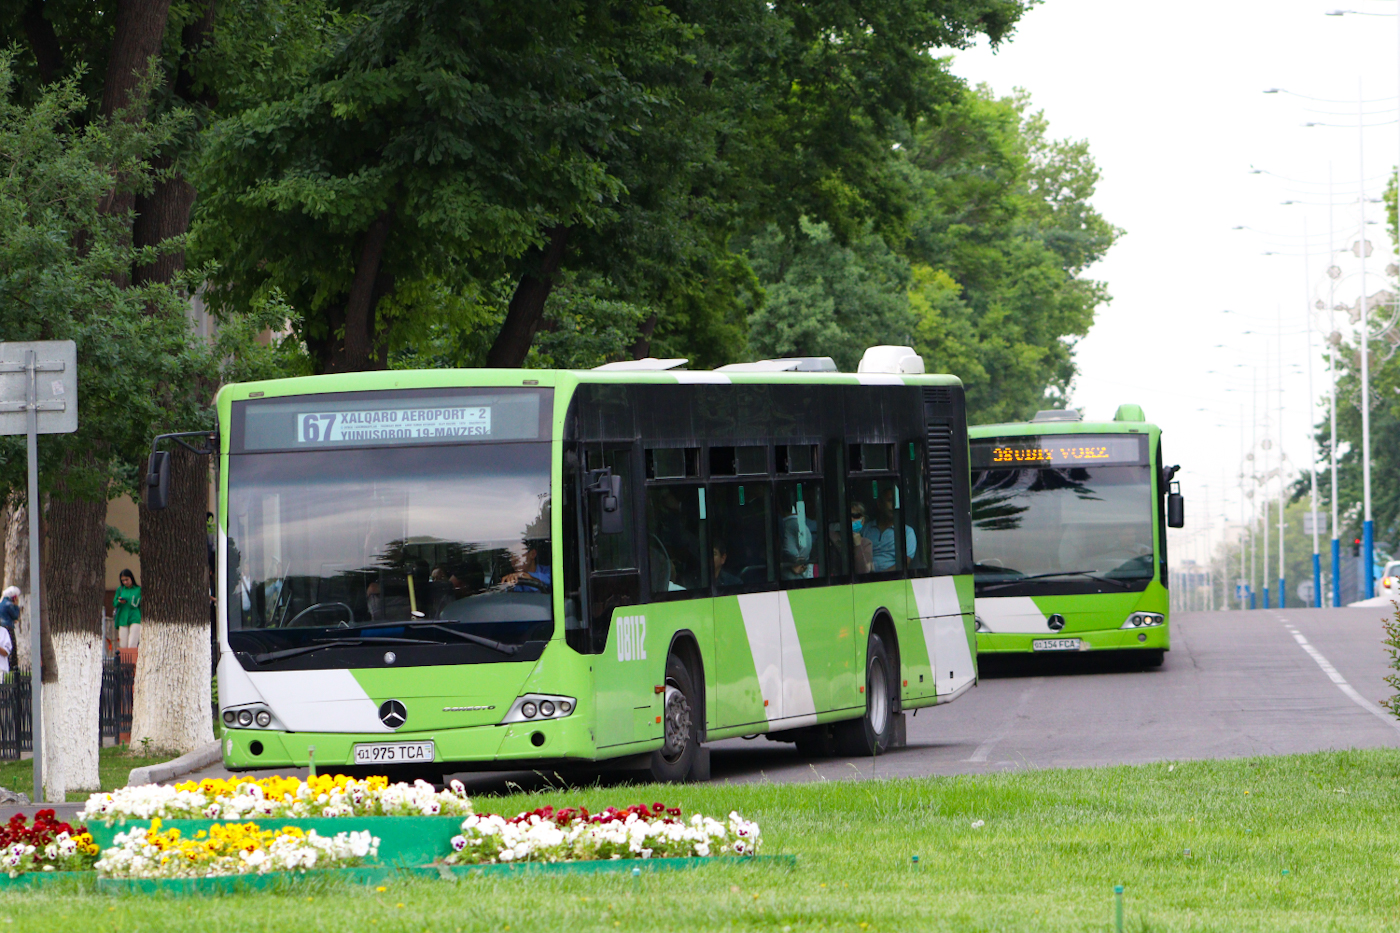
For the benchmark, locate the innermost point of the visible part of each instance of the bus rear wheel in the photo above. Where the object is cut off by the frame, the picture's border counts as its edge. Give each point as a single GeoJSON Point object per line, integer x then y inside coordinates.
{"type": "Point", "coordinates": [871, 733]}
{"type": "Point", "coordinates": [672, 762]}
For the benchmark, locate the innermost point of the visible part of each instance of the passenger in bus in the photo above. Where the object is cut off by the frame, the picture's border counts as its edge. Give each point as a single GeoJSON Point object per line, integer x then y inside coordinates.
{"type": "Point", "coordinates": [862, 547]}
{"type": "Point", "coordinates": [719, 555]}
{"type": "Point", "coordinates": [374, 599]}
{"type": "Point", "coordinates": [797, 533]}
{"type": "Point", "coordinates": [882, 533]}
{"type": "Point", "coordinates": [534, 576]}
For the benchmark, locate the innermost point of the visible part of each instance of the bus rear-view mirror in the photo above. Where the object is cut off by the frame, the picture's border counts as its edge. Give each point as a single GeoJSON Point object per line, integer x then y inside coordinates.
{"type": "Point", "coordinates": [1176, 509]}
{"type": "Point", "coordinates": [158, 481]}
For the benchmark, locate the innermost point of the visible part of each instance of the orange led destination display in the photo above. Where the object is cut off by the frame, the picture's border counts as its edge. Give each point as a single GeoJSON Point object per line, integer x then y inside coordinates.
{"type": "Point", "coordinates": [1057, 450]}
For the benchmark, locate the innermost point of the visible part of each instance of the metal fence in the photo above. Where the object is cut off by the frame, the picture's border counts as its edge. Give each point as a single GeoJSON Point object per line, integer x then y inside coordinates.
{"type": "Point", "coordinates": [113, 705]}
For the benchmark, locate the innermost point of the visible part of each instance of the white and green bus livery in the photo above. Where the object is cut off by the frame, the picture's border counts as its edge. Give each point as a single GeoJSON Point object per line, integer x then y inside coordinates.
{"type": "Point", "coordinates": [1069, 529]}
{"type": "Point", "coordinates": [424, 572]}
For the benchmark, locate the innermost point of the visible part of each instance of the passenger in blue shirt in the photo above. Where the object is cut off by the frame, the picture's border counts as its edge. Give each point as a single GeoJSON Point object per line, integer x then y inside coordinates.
{"type": "Point", "coordinates": [882, 534]}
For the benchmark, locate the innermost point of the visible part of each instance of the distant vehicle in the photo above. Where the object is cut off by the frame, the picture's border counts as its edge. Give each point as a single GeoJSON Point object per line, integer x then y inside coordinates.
{"type": "Point", "coordinates": [447, 570]}
{"type": "Point", "coordinates": [1389, 587]}
{"type": "Point", "coordinates": [1069, 522]}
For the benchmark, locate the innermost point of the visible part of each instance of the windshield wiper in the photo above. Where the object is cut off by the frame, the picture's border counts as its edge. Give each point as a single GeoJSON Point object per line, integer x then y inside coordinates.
{"type": "Point", "coordinates": [1091, 574]}
{"type": "Point", "coordinates": [339, 643]}
{"type": "Point", "coordinates": [491, 643]}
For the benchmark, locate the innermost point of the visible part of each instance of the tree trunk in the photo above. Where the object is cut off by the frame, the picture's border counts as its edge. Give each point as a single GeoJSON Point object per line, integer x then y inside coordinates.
{"type": "Point", "coordinates": [43, 42]}
{"type": "Point", "coordinates": [171, 706]}
{"type": "Point", "coordinates": [641, 347]}
{"type": "Point", "coordinates": [17, 567]}
{"type": "Point", "coordinates": [137, 35]}
{"type": "Point", "coordinates": [358, 352]}
{"type": "Point", "coordinates": [160, 215]}
{"type": "Point", "coordinates": [526, 309]}
{"type": "Point", "coordinates": [74, 562]}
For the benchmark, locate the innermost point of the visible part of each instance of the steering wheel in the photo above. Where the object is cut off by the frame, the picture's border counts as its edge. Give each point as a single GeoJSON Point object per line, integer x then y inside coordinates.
{"type": "Point", "coordinates": [314, 606]}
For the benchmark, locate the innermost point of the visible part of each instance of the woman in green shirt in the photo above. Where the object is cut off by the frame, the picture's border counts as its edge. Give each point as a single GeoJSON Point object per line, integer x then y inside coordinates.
{"type": "Point", "coordinates": [126, 606]}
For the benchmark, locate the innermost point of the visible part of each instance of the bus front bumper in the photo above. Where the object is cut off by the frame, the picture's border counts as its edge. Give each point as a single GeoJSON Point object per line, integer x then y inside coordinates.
{"type": "Point", "coordinates": [508, 746]}
{"type": "Point", "coordinates": [1156, 638]}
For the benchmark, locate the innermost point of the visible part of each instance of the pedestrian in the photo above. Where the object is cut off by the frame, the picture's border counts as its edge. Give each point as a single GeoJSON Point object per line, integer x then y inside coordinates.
{"type": "Point", "coordinates": [9, 609]}
{"type": "Point", "coordinates": [9, 616]}
{"type": "Point", "coordinates": [126, 606]}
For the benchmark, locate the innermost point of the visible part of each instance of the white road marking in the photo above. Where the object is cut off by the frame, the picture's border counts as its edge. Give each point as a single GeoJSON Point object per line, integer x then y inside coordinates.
{"type": "Point", "coordinates": [1341, 681]}
{"type": "Point", "coordinates": [983, 750]}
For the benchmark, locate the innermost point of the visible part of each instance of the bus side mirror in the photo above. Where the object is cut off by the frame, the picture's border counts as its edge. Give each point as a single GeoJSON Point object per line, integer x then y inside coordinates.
{"type": "Point", "coordinates": [1176, 507]}
{"type": "Point", "coordinates": [158, 481]}
{"type": "Point", "coordinates": [608, 488]}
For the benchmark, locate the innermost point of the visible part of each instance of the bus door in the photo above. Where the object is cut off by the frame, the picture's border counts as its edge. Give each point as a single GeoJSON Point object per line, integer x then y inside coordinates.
{"type": "Point", "coordinates": [616, 619]}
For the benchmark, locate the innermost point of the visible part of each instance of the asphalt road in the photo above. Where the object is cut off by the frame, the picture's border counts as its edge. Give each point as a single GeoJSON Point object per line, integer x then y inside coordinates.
{"type": "Point", "coordinates": [1234, 684]}
{"type": "Point", "coordinates": [1267, 682]}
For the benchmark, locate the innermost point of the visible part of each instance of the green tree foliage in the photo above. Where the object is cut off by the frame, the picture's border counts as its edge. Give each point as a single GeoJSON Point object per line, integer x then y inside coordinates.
{"type": "Point", "coordinates": [987, 279]}
{"type": "Point", "coordinates": [433, 146]}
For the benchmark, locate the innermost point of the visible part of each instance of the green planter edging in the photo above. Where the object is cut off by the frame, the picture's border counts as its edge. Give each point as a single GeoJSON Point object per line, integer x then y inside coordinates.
{"type": "Point", "coordinates": [403, 840]}
{"type": "Point", "coordinates": [41, 879]}
{"type": "Point", "coordinates": [379, 874]}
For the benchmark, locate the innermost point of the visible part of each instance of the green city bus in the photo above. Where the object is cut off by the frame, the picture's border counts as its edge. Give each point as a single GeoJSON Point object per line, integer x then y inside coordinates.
{"type": "Point", "coordinates": [1069, 532]}
{"type": "Point", "coordinates": [426, 572]}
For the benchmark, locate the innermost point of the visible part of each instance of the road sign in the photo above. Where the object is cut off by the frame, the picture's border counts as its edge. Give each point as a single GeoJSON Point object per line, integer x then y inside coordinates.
{"type": "Point", "coordinates": [38, 395]}
{"type": "Point", "coordinates": [1314, 523]}
{"type": "Point", "coordinates": [55, 381]}
{"type": "Point", "coordinates": [1305, 592]}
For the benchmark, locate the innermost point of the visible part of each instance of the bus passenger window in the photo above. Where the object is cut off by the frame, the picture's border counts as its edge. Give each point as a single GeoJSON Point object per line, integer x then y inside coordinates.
{"type": "Point", "coordinates": [742, 552]}
{"type": "Point", "coordinates": [911, 484]}
{"type": "Point", "coordinates": [676, 540]}
{"type": "Point", "coordinates": [801, 518]}
{"type": "Point", "coordinates": [881, 539]}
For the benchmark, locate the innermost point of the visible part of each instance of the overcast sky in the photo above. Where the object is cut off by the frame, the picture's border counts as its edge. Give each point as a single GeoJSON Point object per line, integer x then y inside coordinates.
{"type": "Point", "coordinates": [1170, 98]}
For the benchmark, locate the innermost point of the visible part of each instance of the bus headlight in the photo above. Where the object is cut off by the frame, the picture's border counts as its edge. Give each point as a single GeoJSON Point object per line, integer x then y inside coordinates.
{"type": "Point", "coordinates": [1144, 620]}
{"type": "Point", "coordinates": [263, 718]}
{"type": "Point", "coordinates": [536, 706]}
{"type": "Point", "coordinates": [245, 718]}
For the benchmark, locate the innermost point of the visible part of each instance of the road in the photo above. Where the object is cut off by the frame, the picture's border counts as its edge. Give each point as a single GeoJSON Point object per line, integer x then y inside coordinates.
{"type": "Point", "coordinates": [1234, 684]}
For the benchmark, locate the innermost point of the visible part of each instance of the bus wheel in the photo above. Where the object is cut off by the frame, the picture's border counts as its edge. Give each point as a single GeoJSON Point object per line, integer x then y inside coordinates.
{"type": "Point", "coordinates": [671, 763]}
{"type": "Point", "coordinates": [1153, 657]}
{"type": "Point", "coordinates": [871, 733]}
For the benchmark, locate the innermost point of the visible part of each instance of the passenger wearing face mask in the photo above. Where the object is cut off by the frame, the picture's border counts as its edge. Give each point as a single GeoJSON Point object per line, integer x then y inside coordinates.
{"type": "Point", "coordinates": [862, 548]}
{"type": "Point", "coordinates": [375, 598]}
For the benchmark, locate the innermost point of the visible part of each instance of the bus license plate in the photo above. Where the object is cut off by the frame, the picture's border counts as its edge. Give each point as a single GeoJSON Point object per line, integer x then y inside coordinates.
{"type": "Point", "coordinates": [387, 753]}
{"type": "Point", "coordinates": [1055, 644]}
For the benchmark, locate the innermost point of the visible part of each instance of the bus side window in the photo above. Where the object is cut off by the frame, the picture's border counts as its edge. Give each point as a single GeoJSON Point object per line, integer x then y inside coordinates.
{"type": "Point", "coordinates": [615, 551]}
{"type": "Point", "coordinates": [911, 486]}
{"type": "Point", "coordinates": [881, 539]}
{"type": "Point", "coordinates": [741, 552]}
{"type": "Point", "coordinates": [676, 546]}
{"type": "Point", "coordinates": [801, 520]}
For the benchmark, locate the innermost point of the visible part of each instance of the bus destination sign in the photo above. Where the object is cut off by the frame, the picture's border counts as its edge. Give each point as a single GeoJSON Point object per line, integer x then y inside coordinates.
{"type": "Point", "coordinates": [1056, 451]}
{"type": "Point", "coordinates": [391, 424]}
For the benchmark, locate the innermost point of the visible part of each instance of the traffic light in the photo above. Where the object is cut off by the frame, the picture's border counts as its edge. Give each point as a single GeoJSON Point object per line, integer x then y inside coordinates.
{"type": "Point", "coordinates": [1356, 548]}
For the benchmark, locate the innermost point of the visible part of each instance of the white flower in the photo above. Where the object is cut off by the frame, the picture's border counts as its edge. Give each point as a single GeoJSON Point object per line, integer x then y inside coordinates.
{"type": "Point", "coordinates": [978, 824]}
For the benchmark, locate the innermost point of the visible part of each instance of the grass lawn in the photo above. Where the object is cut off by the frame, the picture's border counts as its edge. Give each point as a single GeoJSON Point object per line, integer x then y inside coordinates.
{"type": "Point", "coordinates": [1305, 843]}
{"type": "Point", "coordinates": [114, 763]}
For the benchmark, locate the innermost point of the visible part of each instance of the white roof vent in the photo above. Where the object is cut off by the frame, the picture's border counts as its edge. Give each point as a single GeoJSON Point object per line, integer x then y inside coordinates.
{"type": "Point", "coordinates": [791, 364]}
{"type": "Point", "coordinates": [891, 360]}
{"type": "Point", "coordinates": [649, 365]}
{"type": "Point", "coordinates": [1057, 414]}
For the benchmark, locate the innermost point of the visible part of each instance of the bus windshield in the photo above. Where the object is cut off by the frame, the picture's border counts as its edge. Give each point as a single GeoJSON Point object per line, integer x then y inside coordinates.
{"type": "Point", "coordinates": [422, 543]}
{"type": "Point", "coordinates": [1062, 529]}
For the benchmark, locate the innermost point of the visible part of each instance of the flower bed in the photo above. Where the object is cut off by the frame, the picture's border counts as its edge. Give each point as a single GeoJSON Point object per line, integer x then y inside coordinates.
{"type": "Point", "coordinates": [568, 835]}
{"type": "Point", "coordinates": [45, 845]}
{"type": "Point", "coordinates": [230, 849]}
{"type": "Point", "coordinates": [243, 798]}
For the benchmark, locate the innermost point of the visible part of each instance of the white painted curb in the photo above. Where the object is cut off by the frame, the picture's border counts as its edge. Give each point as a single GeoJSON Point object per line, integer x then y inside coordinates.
{"type": "Point", "coordinates": [197, 760]}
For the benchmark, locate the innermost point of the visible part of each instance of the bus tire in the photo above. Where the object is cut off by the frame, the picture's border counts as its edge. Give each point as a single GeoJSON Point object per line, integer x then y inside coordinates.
{"type": "Point", "coordinates": [672, 762]}
{"type": "Point", "coordinates": [1153, 657]}
{"type": "Point", "coordinates": [872, 732]}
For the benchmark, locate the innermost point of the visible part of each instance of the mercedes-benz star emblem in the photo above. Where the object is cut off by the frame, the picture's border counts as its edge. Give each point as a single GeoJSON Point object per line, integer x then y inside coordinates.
{"type": "Point", "coordinates": [393, 714]}
{"type": "Point", "coordinates": [1056, 622]}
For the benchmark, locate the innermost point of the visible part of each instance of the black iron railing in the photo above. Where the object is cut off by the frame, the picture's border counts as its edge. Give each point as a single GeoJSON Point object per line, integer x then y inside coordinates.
{"type": "Point", "coordinates": [113, 708]}
{"type": "Point", "coordinates": [114, 704]}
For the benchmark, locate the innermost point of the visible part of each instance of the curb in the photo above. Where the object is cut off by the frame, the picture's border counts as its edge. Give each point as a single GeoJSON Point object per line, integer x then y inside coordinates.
{"type": "Point", "coordinates": [197, 760]}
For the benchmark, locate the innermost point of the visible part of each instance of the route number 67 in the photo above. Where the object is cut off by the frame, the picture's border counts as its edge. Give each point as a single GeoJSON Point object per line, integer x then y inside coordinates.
{"type": "Point", "coordinates": [316, 428]}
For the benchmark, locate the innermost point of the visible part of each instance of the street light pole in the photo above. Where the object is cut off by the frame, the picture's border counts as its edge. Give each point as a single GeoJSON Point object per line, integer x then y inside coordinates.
{"type": "Point", "coordinates": [1312, 437]}
{"type": "Point", "coordinates": [1368, 532]}
{"type": "Point", "coordinates": [1332, 407]}
{"type": "Point", "coordinates": [1282, 458]}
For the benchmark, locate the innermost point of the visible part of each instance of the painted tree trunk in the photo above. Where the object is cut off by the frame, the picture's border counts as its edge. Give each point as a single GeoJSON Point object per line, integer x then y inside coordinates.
{"type": "Point", "coordinates": [74, 570]}
{"type": "Point", "coordinates": [171, 704]}
{"type": "Point", "coordinates": [17, 574]}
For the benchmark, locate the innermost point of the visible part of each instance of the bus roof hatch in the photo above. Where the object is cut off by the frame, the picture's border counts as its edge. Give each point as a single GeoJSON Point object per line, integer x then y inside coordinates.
{"type": "Point", "coordinates": [1057, 414]}
{"type": "Point", "coordinates": [1129, 413]}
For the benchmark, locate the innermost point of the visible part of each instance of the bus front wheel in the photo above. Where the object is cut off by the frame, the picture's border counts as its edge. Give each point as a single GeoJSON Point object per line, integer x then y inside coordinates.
{"type": "Point", "coordinates": [671, 763]}
{"type": "Point", "coordinates": [871, 733]}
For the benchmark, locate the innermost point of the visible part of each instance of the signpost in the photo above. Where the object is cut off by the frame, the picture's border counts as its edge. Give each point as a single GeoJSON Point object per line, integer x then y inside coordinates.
{"type": "Point", "coordinates": [38, 395]}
